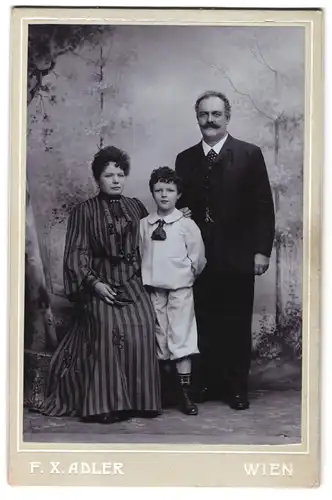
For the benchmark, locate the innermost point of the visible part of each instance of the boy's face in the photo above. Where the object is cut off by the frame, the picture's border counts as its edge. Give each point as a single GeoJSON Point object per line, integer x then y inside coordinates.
{"type": "Point", "coordinates": [165, 195]}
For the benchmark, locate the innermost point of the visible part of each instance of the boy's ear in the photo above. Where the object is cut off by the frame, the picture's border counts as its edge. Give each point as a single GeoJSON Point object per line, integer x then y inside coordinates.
{"type": "Point", "coordinates": [179, 196]}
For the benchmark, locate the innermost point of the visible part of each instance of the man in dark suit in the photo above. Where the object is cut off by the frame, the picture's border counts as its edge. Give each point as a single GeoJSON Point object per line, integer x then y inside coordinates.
{"type": "Point", "coordinates": [226, 191]}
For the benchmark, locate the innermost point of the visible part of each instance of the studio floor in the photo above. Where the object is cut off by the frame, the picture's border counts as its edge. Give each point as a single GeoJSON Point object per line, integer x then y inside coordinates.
{"type": "Point", "coordinates": [274, 417]}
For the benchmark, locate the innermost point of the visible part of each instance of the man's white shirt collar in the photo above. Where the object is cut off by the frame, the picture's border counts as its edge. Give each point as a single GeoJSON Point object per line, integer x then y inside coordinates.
{"type": "Point", "coordinates": [217, 147]}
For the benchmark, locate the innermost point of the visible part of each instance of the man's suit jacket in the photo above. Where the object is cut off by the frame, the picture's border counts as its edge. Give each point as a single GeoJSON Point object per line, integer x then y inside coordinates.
{"type": "Point", "coordinates": [240, 200]}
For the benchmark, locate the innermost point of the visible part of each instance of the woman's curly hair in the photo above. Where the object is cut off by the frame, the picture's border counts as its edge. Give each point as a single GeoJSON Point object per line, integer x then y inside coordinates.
{"type": "Point", "coordinates": [107, 155]}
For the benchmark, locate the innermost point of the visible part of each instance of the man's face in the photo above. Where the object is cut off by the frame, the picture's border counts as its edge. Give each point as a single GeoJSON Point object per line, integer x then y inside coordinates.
{"type": "Point", "coordinates": [211, 119]}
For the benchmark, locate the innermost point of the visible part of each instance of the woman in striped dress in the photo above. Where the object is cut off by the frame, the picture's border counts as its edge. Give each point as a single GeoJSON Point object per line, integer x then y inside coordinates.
{"type": "Point", "coordinates": [106, 369]}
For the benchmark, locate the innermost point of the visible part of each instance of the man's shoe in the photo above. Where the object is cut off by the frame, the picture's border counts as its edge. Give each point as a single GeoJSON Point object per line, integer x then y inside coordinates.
{"type": "Point", "coordinates": [239, 402]}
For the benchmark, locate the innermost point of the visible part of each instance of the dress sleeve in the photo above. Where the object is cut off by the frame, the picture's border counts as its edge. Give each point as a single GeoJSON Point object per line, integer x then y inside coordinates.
{"type": "Point", "coordinates": [77, 271]}
{"type": "Point", "coordinates": [142, 210]}
{"type": "Point", "coordinates": [195, 246]}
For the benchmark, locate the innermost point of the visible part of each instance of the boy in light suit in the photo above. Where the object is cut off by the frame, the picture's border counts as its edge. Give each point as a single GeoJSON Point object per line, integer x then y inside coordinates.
{"type": "Point", "coordinates": [173, 255]}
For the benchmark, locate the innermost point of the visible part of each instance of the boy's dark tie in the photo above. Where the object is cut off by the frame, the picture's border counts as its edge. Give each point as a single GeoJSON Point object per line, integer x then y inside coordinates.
{"type": "Point", "coordinates": [159, 233]}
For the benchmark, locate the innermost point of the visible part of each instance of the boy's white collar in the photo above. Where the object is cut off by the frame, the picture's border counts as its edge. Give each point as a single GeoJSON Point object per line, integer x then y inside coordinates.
{"type": "Point", "coordinates": [172, 217]}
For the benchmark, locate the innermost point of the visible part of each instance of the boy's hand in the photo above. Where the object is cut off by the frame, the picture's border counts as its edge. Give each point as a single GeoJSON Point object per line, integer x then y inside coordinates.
{"type": "Point", "coordinates": [261, 264]}
{"type": "Point", "coordinates": [193, 270]}
{"type": "Point", "coordinates": [186, 211]}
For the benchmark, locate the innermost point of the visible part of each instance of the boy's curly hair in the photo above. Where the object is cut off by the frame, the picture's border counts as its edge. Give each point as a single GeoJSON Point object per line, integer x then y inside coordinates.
{"type": "Point", "coordinates": [167, 175]}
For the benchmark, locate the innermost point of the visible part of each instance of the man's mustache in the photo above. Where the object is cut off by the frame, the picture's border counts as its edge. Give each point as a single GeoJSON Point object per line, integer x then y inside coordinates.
{"type": "Point", "coordinates": [210, 125]}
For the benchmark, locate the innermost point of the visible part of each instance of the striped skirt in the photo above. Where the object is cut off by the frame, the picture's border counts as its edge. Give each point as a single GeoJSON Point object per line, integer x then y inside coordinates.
{"type": "Point", "coordinates": [106, 363]}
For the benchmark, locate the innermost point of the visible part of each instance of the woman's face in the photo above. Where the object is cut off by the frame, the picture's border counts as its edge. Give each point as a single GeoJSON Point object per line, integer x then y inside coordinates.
{"type": "Point", "coordinates": [112, 180]}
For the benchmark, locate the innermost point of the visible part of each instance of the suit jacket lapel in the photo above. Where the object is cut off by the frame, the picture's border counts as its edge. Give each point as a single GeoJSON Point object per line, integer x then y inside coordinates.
{"type": "Point", "coordinates": [199, 153]}
{"type": "Point", "coordinates": [198, 161]}
{"type": "Point", "coordinates": [226, 175]}
{"type": "Point", "coordinates": [225, 155]}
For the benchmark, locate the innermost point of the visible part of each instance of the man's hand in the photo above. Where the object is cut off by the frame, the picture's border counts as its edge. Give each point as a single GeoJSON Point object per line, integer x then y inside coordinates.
{"type": "Point", "coordinates": [261, 264]}
{"type": "Point", "coordinates": [186, 211]}
{"type": "Point", "coordinates": [105, 292]}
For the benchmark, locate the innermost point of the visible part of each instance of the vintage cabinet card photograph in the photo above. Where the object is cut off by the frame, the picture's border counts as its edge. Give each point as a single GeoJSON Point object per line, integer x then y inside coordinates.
{"type": "Point", "coordinates": [165, 247]}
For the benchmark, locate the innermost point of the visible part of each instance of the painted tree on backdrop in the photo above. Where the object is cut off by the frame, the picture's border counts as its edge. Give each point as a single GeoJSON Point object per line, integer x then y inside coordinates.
{"type": "Point", "coordinates": [45, 44]}
{"type": "Point", "coordinates": [97, 73]}
{"type": "Point", "coordinates": [285, 124]}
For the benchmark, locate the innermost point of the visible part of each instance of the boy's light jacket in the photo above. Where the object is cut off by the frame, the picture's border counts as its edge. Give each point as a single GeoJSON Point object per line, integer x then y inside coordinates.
{"type": "Point", "coordinates": [175, 262]}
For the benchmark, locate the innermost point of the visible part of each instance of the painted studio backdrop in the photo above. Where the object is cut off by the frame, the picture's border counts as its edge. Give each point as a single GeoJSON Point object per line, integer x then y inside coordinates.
{"type": "Point", "coordinates": [135, 87]}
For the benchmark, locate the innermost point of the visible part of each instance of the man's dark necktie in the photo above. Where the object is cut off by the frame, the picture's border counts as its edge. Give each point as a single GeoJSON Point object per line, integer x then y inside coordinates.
{"type": "Point", "coordinates": [211, 157]}
{"type": "Point", "coordinates": [159, 233]}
